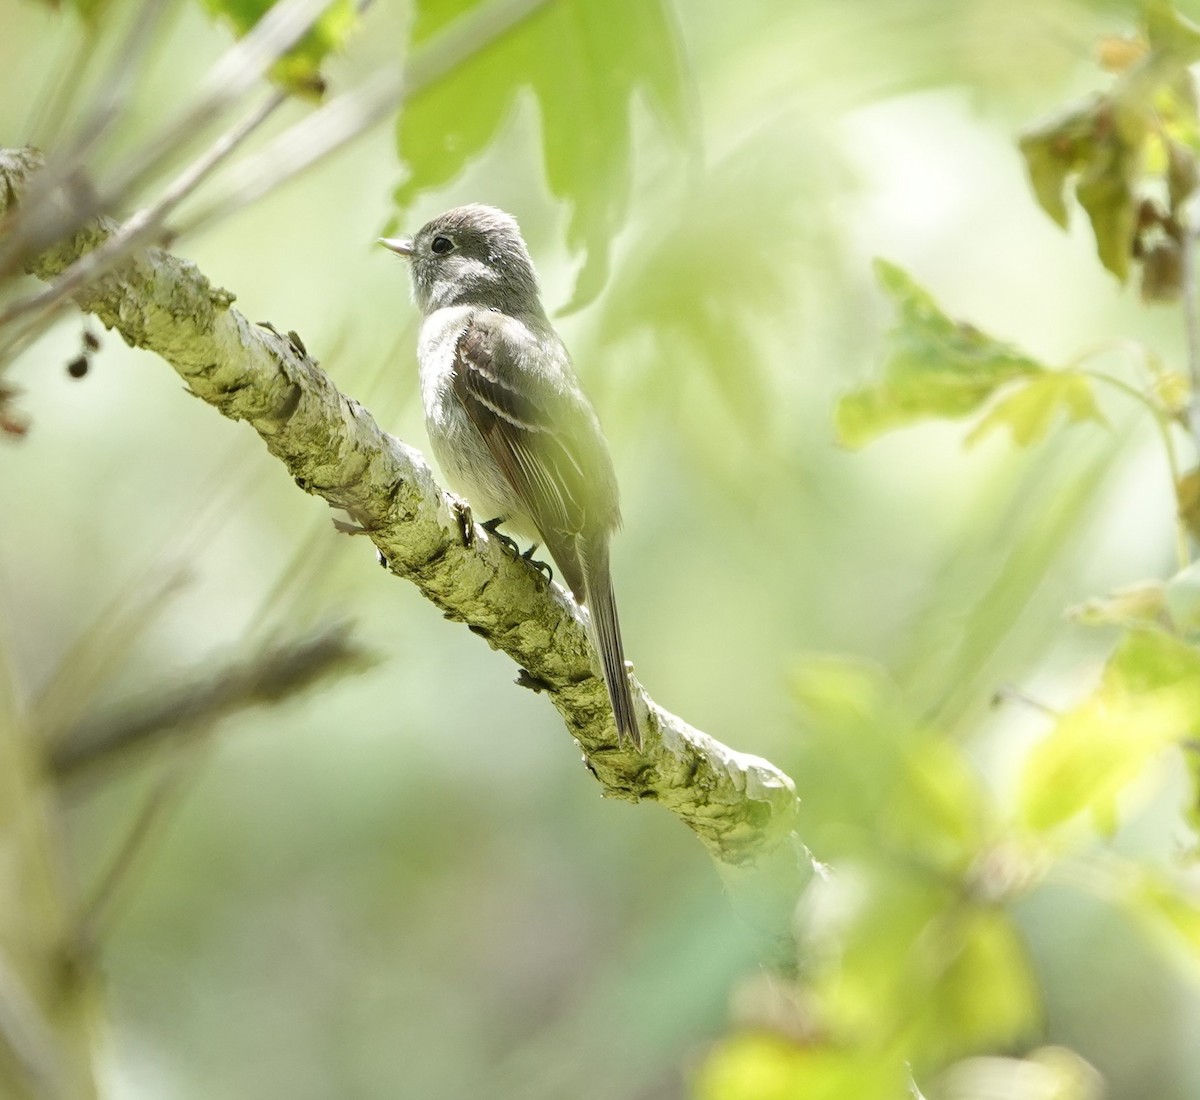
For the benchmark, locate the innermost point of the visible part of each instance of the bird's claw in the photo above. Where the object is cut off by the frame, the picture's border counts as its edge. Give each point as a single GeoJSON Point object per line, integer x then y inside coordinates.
{"type": "Point", "coordinates": [505, 540]}
{"type": "Point", "coordinates": [540, 566]}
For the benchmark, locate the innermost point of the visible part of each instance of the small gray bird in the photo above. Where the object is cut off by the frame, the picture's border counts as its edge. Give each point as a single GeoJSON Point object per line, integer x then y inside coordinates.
{"type": "Point", "coordinates": [509, 424]}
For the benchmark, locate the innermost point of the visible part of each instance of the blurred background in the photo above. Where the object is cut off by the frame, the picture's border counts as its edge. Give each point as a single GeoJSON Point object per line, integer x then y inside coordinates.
{"type": "Point", "coordinates": [404, 883]}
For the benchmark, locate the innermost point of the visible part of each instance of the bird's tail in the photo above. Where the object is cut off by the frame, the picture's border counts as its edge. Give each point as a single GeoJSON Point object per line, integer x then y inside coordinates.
{"type": "Point", "coordinates": [607, 630]}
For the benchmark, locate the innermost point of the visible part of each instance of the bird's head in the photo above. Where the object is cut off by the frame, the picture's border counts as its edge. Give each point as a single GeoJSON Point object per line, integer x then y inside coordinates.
{"type": "Point", "coordinates": [471, 255]}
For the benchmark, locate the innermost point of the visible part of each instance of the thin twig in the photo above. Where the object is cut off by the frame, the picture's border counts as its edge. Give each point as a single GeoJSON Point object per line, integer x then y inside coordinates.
{"type": "Point", "coordinates": [304, 144]}
{"type": "Point", "coordinates": [276, 673]}
{"type": "Point", "coordinates": [1191, 320]}
{"type": "Point", "coordinates": [165, 792]}
{"type": "Point", "coordinates": [108, 102]}
{"type": "Point", "coordinates": [233, 74]}
{"type": "Point", "coordinates": [26, 1037]}
{"type": "Point", "coordinates": [296, 149]}
{"type": "Point", "coordinates": [1164, 425]}
{"type": "Point", "coordinates": [350, 115]}
{"type": "Point", "coordinates": [46, 217]}
{"type": "Point", "coordinates": [142, 228]}
{"type": "Point", "coordinates": [1009, 693]}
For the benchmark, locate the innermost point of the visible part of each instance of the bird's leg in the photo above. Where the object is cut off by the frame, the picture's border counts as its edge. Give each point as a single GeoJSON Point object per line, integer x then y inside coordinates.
{"type": "Point", "coordinates": [511, 543]}
{"type": "Point", "coordinates": [540, 566]}
{"type": "Point", "coordinates": [490, 527]}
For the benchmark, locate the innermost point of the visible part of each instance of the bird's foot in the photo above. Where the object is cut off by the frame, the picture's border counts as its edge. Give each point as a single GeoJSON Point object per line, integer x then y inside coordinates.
{"type": "Point", "coordinates": [540, 566]}
{"type": "Point", "coordinates": [491, 528]}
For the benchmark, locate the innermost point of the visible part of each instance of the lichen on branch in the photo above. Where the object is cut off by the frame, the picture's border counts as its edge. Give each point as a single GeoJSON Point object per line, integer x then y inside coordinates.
{"type": "Point", "coordinates": [741, 807]}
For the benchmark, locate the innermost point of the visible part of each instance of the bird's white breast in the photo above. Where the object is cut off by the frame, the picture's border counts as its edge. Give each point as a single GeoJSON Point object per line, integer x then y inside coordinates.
{"type": "Point", "coordinates": [460, 450]}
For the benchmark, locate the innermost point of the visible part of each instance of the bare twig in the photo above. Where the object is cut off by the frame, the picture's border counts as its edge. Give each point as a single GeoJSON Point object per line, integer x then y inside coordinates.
{"type": "Point", "coordinates": [26, 1041]}
{"type": "Point", "coordinates": [164, 795]}
{"type": "Point", "coordinates": [304, 144]}
{"type": "Point", "coordinates": [109, 100]}
{"type": "Point", "coordinates": [298, 148]}
{"type": "Point", "coordinates": [352, 114]}
{"type": "Point", "coordinates": [142, 227]}
{"type": "Point", "coordinates": [276, 673]}
{"type": "Point", "coordinates": [65, 198]}
{"type": "Point", "coordinates": [1191, 320]}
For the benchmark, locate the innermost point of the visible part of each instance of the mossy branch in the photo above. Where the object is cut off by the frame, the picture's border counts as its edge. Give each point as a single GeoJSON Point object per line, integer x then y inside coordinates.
{"type": "Point", "coordinates": [741, 807]}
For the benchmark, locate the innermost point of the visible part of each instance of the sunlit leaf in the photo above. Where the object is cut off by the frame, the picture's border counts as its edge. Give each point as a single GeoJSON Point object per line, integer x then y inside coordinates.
{"type": "Point", "coordinates": [768, 1067]}
{"type": "Point", "coordinates": [710, 309]}
{"type": "Point", "coordinates": [1132, 605]}
{"type": "Point", "coordinates": [1148, 699]}
{"type": "Point", "coordinates": [1171, 390]}
{"type": "Point", "coordinates": [915, 962]}
{"type": "Point", "coordinates": [1112, 146]}
{"type": "Point", "coordinates": [1048, 1073]}
{"type": "Point", "coordinates": [1170, 32]}
{"type": "Point", "coordinates": [1168, 906]}
{"type": "Point", "coordinates": [584, 63]}
{"type": "Point", "coordinates": [903, 781]}
{"type": "Point", "coordinates": [935, 367]}
{"type": "Point", "coordinates": [986, 996]}
{"type": "Point", "coordinates": [1033, 406]}
{"type": "Point", "coordinates": [298, 69]}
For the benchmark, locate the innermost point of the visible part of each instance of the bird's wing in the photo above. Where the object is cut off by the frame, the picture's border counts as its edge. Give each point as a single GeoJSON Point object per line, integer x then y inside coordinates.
{"type": "Point", "coordinates": [542, 445]}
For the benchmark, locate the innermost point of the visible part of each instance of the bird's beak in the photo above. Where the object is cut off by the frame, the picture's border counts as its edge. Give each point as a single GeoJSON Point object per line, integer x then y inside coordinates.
{"type": "Point", "coordinates": [402, 246]}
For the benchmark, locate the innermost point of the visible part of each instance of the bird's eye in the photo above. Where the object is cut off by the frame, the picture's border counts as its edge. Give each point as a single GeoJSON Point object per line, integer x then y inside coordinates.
{"type": "Point", "coordinates": [441, 245]}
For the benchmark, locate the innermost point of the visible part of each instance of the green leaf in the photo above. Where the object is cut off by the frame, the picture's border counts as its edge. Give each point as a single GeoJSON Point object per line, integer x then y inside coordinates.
{"type": "Point", "coordinates": [1032, 408]}
{"type": "Point", "coordinates": [584, 63]}
{"type": "Point", "coordinates": [986, 995]}
{"type": "Point", "coordinates": [1167, 905]}
{"type": "Point", "coordinates": [917, 965]}
{"type": "Point", "coordinates": [769, 1067]}
{"type": "Point", "coordinates": [1048, 1073]}
{"type": "Point", "coordinates": [1102, 143]}
{"type": "Point", "coordinates": [299, 69]}
{"type": "Point", "coordinates": [1112, 144]}
{"type": "Point", "coordinates": [1148, 699]}
{"type": "Point", "coordinates": [1134, 605]}
{"type": "Point", "coordinates": [712, 311]}
{"type": "Point", "coordinates": [934, 367]}
{"type": "Point", "coordinates": [902, 781]}
{"type": "Point", "coordinates": [1054, 151]}
{"type": "Point", "coordinates": [1171, 33]}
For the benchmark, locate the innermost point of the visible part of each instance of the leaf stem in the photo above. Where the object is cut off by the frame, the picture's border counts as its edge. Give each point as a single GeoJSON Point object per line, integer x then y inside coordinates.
{"type": "Point", "coordinates": [1191, 321]}
{"type": "Point", "coordinates": [1163, 422]}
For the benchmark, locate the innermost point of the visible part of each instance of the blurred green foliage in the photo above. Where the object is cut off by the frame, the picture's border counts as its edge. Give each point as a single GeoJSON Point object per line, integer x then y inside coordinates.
{"type": "Point", "coordinates": [937, 367]}
{"type": "Point", "coordinates": [1115, 143]}
{"type": "Point", "coordinates": [299, 70]}
{"type": "Point", "coordinates": [405, 886]}
{"type": "Point", "coordinates": [604, 55]}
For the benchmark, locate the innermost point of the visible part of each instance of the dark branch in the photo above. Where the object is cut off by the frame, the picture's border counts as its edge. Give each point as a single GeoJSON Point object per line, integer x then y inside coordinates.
{"type": "Point", "coordinates": [275, 674]}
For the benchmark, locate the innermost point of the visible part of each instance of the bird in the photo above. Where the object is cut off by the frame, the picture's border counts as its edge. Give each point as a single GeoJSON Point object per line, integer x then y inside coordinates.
{"type": "Point", "coordinates": [507, 419]}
